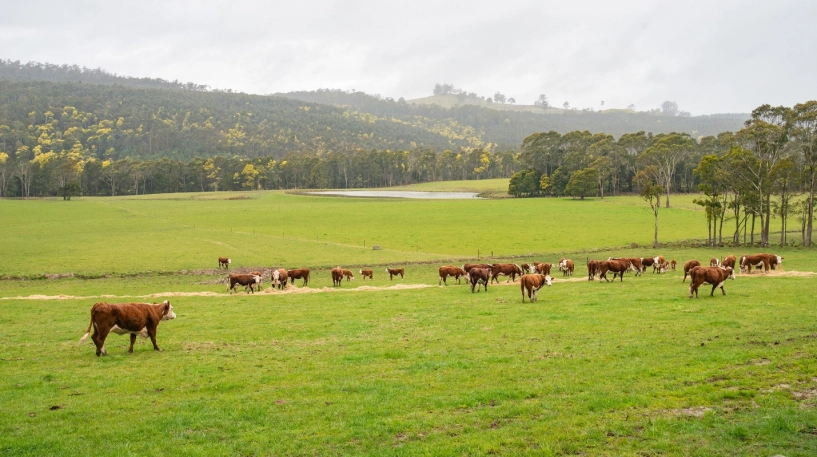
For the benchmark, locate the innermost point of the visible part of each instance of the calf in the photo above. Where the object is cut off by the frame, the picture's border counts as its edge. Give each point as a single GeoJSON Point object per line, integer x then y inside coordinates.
{"type": "Point", "coordinates": [450, 270]}
{"type": "Point", "coordinates": [711, 275]}
{"type": "Point", "coordinates": [394, 272]}
{"type": "Point", "coordinates": [689, 265]}
{"type": "Point", "coordinates": [224, 262]}
{"type": "Point", "coordinates": [729, 261]}
{"type": "Point", "coordinates": [299, 273]}
{"type": "Point", "coordinates": [367, 274]}
{"type": "Point", "coordinates": [508, 269]}
{"type": "Point", "coordinates": [348, 275]}
{"type": "Point", "coordinates": [477, 277]}
{"type": "Point", "coordinates": [337, 276]}
{"type": "Point", "coordinates": [532, 283]}
{"type": "Point", "coordinates": [673, 263]}
{"type": "Point", "coordinates": [618, 267]}
{"type": "Point", "coordinates": [250, 280]}
{"type": "Point", "coordinates": [714, 262]}
{"type": "Point", "coordinates": [134, 318]}
{"type": "Point", "coordinates": [542, 268]}
{"type": "Point", "coordinates": [280, 277]}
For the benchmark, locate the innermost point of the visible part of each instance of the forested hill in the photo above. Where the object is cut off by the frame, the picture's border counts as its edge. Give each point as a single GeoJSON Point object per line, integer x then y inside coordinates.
{"type": "Point", "coordinates": [510, 128]}
{"type": "Point", "coordinates": [116, 121]}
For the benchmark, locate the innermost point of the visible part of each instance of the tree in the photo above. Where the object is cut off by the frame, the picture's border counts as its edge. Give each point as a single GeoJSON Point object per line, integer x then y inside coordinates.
{"type": "Point", "coordinates": [525, 182]}
{"type": "Point", "coordinates": [511, 100]}
{"type": "Point", "coordinates": [713, 181]}
{"type": "Point", "coordinates": [69, 190]}
{"type": "Point", "coordinates": [631, 107]}
{"type": "Point", "coordinates": [3, 170]}
{"type": "Point", "coordinates": [803, 121]}
{"type": "Point", "coordinates": [566, 105]}
{"type": "Point", "coordinates": [583, 183]}
{"type": "Point", "coordinates": [604, 168]}
{"type": "Point", "coordinates": [669, 108]}
{"type": "Point", "coordinates": [542, 102]}
{"type": "Point", "coordinates": [499, 97]}
{"type": "Point", "coordinates": [665, 155]}
{"type": "Point", "coordinates": [651, 193]}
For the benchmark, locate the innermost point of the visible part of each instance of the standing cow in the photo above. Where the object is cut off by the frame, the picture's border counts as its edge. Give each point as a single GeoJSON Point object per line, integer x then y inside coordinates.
{"type": "Point", "coordinates": [659, 264]}
{"type": "Point", "coordinates": [729, 261]}
{"type": "Point", "coordinates": [592, 266]}
{"type": "Point", "coordinates": [394, 272]}
{"type": "Point", "coordinates": [532, 283]}
{"type": "Point", "coordinates": [348, 275]}
{"type": "Point", "coordinates": [135, 318]}
{"type": "Point", "coordinates": [566, 266]}
{"type": "Point", "coordinates": [450, 270]}
{"type": "Point", "coordinates": [711, 275]}
{"type": "Point", "coordinates": [618, 267]}
{"type": "Point", "coordinates": [542, 268]}
{"type": "Point", "coordinates": [764, 261]}
{"type": "Point", "coordinates": [224, 262]}
{"type": "Point", "coordinates": [688, 266]}
{"type": "Point", "coordinates": [507, 269]}
{"type": "Point", "coordinates": [337, 276]}
{"type": "Point", "coordinates": [714, 262]}
{"type": "Point", "coordinates": [250, 280]}
{"type": "Point", "coordinates": [299, 273]}
{"type": "Point", "coordinates": [636, 261]}
{"type": "Point", "coordinates": [478, 277]}
{"type": "Point", "coordinates": [280, 277]}
{"type": "Point", "coordinates": [673, 263]}
{"type": "Point", "coordinates": [367, 274]}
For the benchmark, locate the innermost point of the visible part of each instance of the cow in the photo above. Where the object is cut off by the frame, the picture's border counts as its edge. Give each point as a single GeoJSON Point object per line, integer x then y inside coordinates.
{"type": "Point", "coordinates": [280, 277]}
{"type": "Point", "coordinates": [450, 270]}
{"type": "Point", "coordinates": [659, 264]}
{"type": "Point", "coordinates": [647, 262]}
{"type": "Point", "coordinates": [758, 260]}
{"type": "Point", "coordinates": [367, 274]}
{"type": "Point", "coordinates": [394, 272]}
{"type": "Point", "coordinates": [337, 276]}
{"type": "Point", "coordinates": [542, 268]}
{"type": "Point", "coordinates": [618, 267]}
{"type": "Point", "coordinates": [250, 280]}
{"type": "Point", "coordinates": [507, 269]}
{"type": "Point", "coordinates": [566, 266]}
{"type": "Point", "coordinates": [477, 277]}
{"type": "Point", "coordinates": [636, 261]}
{"type": "Point", "coordinates": [348, 275]}
{"type": "Point", "coordinates": [592, 266]}
{"type": "Point", "coordinates": [714, 262]}
{"type": "Point", "coordinates": [711, 275]}
{"type": "Point", "coordinates": [673, 263]}
{"type": "Point", "coordinates": [525, 268]}
{"type": "Point", "coordinates": [121, 318]}
{"type": "Point", "coordinates": [224, 262]}
{"type": "Point", "coordinates": [729, 261]}
{"type": "Point", "coordinates": [532, 283]}
{"type": "Point", "coordinates": [468, 266]}
{"type": "Point", "coordinates": [775, 261]}
{"type": "Point", "coordinates": [299, 273]}
{"type": "Point", "coordinates": [689, 265]}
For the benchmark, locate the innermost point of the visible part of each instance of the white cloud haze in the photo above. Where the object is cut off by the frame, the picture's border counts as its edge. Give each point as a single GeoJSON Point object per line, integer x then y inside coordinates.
{"type": "Point", "coordinates": [709, 56]}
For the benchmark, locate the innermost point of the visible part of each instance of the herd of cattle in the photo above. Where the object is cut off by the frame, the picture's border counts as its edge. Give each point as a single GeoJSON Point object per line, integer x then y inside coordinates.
{"type": "Point", "coordinates": [143, 318]}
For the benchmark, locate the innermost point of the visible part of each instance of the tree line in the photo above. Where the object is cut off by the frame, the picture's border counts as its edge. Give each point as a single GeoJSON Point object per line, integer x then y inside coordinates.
{"type": "Point", "coordinates": [746, 177]}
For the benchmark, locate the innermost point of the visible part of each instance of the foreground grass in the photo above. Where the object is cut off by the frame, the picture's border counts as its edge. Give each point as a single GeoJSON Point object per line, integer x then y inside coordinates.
{"type": "Point", "coordinates": [628, 368]}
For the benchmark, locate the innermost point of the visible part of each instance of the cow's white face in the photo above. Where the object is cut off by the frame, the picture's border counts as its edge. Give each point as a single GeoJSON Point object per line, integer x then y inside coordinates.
{"type": "Point", "coordinates": [257, 279]}
{"type": "Point", "coordinates": [229, 261]}
{"type": "Point", "coordinates": [170, 314]}
{"type": "Point", "coordinates": [779, 260]}
{"type": "Point", "coordinates": [655, 259]}
{"type": "Point", "coordinates": [548, 280]}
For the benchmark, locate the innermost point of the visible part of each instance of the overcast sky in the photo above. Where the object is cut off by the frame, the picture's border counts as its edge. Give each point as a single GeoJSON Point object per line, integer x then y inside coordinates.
{"type": "Point", "coordinates": [708, 56]}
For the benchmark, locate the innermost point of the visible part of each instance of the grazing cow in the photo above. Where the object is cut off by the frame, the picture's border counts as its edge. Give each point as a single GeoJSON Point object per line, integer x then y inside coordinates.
{"type": "Point", "coordinates": [525, 268]}
{"type": "Point", "coordinates": [636, 261]}
{"type": "Point", "coordinates": [507, 269]}
{"type": "Point", "coordinates": [729, 261]}
{"type": "Point", "coordinates": [299, 273]}
{"type": "Point", "coordinates": [280, 277]}
{"type": "Point", "coordinates": [250, 280]}
{"type": "Point", "coordinates": [566, 266]}
{"type": "Point", "coordinates": [618, 267]}
{"type": "Point", "coordinates": [224, 262]}
{"type": "Point", "coordinates": [689, 265]}
{"type": "Point", "coordinates": [337, 276]}
{"type": "Point", "coordinates": [673, 263]}
{"type": "Point", "coordinates": [121, 318]}
{"type": "Point", "coordinates": [477, 277]}
{"type": "Point", "coordinates": [659, 264]}
{"type": "Point", "coordinates": [394, 272]}
{"type": "Point", "coordinates": [542, 268]}
{"type": "Point", "coordinates": [450, 270]}
{"type": "Point", "coordinates": [758, 260]}
{"type": "Point", "coordinates": [348, 275]}
{"type": "Point", "coordinates": [711, 275]}
{"type": "Point", "coordinates": [592, 266]}
{"type": "Point", "coordinates": [714, 262]}
{"type": "Point", "coordinates": [367, 274]}
{"type": "Point", "coordinates": [468, 266]}
{"type": "Point", "coordinates": [775, 261]}
{"type": "Point", "coordinates": [532, 283]}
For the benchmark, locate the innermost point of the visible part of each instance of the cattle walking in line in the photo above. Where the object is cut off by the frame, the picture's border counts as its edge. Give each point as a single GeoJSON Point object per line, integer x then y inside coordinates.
{"type": "Point", "coordinates": [367, 274]}
{"type": "Point", "coordinates": [250, 280]}
{"type": "Point", "coordinates": [688, 266]}
{"type": "Point", "coordinates": [618, 267]}
{"type": "Point", "coordinates": [714, 262]}
{"type": "Point", "coordinates": [729, 261]}
{"type": "Point", "coordinates": [468, 266]}
{"type": "Point", "coordinates": [506, 269]}
{"type": "Point", "coordinates": [532, 283]}
{"type": "Point", "coordinates": [452, 271]}
{"type": "Point", "coordinates": [337, 276]}
{"type": "Point", "coordinates": [280, 277]}
{"type": "Point", "coordinates": [348, 275]}
{"type": "Point", "coordinates": [135, 318]}
{"type": "Point", "coordinates": [478, 277]}
{"type": "Point", "coordinates": [542, 268]}
{"type": "Point", "coordinates": [764, 261]}
{"type": "Point", "coordinates": [224, 262]}
{"type": "Point", "coordinates": [673, 263]}
{"type": "Point", "coordinates": [299, 273]}
{"type": "Point", "coordinates": [710, 275]}
{"type": "Point", "coordinates": [394, 272]}
{"type": "Point", "coordinates": [566, 266]}
{"type": "Point", "coordinates": [636, 261]}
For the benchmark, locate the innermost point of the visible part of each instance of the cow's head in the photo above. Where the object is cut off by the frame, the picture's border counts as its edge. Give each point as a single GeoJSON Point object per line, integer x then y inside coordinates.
{"type": "Point", "coordinates": [276, 276]}
{"type": "Point", "coordinates": [257, 279]}
{"type": "Point", "coordinates": [167, 312]}
{"type": "Point", "coordinates": [779, 259]}
{"type": "Point", "coordinates": [548, 280]}
{"type": "Point", "coordinates": [229, 261]}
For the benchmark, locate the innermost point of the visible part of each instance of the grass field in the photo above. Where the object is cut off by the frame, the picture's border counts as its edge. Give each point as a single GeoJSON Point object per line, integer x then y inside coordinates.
{"type": "Point", "coordinates": [625, 368]}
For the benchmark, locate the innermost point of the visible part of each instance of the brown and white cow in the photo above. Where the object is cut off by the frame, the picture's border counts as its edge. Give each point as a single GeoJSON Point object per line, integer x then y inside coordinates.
{"type": "Point", "coordinates": [247, 280]}
{"type": "Point", "coordinates": [394, 272]}
{"type": "Point", "coordinates": [337, 276]}
{"type": "Point", "coordinates": [714, 262]}
{"type": "Point", "coordinates": [280, 277]}
{"type": "Point", "coordinates": [659, 264]}
{"type": "Point", "coordinates": [647, 262]}
{"type": "Point", "coordinates": [729, 261]}
{"type": "Point", "coordinates": [760, 261]}
{"type": "Point", "coordinates": [367, 274]}
{"type": "Point", "coordinates": [452, 271]}
{"type": "Point", "coordinates": [348, 275]}
{"type": "Point", "coordinates": [506, 269]}
{"type": "Point", "coordinates": [542, 268]}
{"type": "Point", "coordinates": [566, 266]}
{"type": "Point", "coordinates": [532, 283]}
{"type": "Point", "coordinates": [711, 275]}
{"type": "Point", "coordinates": [477, 277]}
{"type": "Point", "coordinates": [299, 273]}
{"type": "Point", "coordinates": [775, 261]}
{"type": "Point", "coordinates": [636, 261]}
{"type": "Point", "coordinates": [689, 265]}
{"type": "Point", "coordinates": [525, 268]}
{"type": "Point", "coordinates": [224, 262]}
{"type": "Point", "coordinates": [468, 266]}
{"type": "Point", "coordinates": [618, 267]}
{"type": "Point", "coordinates": [673, 263]}
{"type": "Point", "coordinates": [135, 318]}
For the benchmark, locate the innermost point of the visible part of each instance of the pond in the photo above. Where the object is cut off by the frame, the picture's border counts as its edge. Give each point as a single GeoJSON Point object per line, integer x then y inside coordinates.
{"type": "Point", "coordinates": [398, 194]}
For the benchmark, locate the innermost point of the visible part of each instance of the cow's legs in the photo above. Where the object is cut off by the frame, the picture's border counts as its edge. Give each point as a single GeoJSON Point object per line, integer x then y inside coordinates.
{"type": "Point", "coordinates": [99, 340]}
{"type": "Point", "coordinates": [152, 334]}
{"type": "Point", "coordinates": [132, 340]}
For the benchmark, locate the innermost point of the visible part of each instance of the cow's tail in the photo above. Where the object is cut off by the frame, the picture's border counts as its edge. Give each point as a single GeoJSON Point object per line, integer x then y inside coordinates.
{"type": "Point", "coordinates": [87, 332]}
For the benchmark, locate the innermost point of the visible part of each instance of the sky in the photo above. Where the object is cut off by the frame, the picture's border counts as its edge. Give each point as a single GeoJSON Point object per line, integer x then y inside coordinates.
{"type": "Point", "coordinates": [708, 56]}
